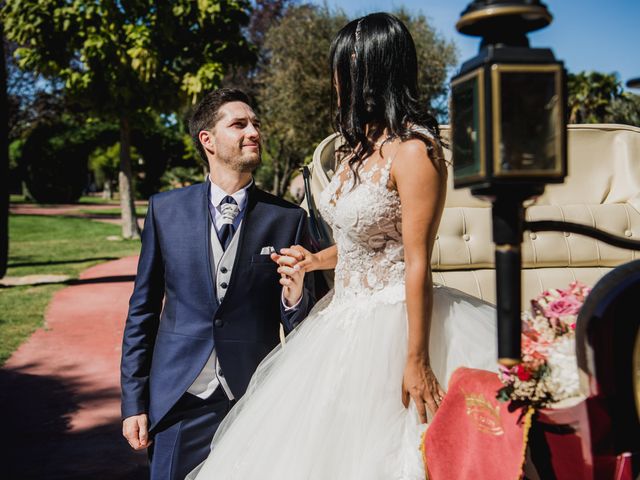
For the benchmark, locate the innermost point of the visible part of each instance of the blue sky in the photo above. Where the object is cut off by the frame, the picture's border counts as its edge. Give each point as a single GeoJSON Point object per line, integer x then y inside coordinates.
{"type": "Point", "coordinates": [585, 34]}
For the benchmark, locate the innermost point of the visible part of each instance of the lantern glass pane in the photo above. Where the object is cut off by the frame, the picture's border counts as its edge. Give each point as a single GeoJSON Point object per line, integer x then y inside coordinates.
{"type": "Point", "coordinates": [466, 131]}
{"type": "Point", "coordinates": [529, 126]}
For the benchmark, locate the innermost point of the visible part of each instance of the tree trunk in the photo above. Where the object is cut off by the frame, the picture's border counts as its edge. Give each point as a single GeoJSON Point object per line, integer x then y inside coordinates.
{"type": "Point", "coordinates": [128, 210]}
{"type": "Point", "coordinates": [4, 160]}
{"type": "Point", "coordinates": [106, 190]}
{"type": "Point", "coordinates": [285, 179]}
{"type": "Point", "coordinates": [276, 176]}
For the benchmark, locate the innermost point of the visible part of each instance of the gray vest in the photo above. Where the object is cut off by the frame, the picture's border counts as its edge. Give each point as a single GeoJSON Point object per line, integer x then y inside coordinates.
{"type": "Point", "coordinates": [222, 261]}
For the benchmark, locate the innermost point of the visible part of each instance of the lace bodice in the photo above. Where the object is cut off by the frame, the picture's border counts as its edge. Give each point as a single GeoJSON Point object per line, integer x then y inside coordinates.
{"type": "Point", "coordinates": [367, 227]}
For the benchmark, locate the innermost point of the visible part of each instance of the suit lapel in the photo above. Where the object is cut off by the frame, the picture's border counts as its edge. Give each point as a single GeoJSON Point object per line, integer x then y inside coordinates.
{"type": "Point", "coordinates": [207, 242]}
{"type": "Point", "coordinates": [242, 241]}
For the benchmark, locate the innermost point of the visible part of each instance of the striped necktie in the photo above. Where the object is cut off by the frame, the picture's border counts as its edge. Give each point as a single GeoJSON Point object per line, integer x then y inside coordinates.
{"type": "Point", "coordinates": [229, 210]}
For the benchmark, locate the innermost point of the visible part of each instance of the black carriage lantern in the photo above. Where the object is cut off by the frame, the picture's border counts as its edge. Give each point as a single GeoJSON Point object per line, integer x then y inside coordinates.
{"type": "Point", "coordinates": [508, 103]}
{"type": "Point", "coordinates": [508, 134]}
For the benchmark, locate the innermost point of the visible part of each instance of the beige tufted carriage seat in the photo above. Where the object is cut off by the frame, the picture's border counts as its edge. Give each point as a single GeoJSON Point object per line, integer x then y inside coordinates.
{"type": "Point", "coordinates": [602, 190]}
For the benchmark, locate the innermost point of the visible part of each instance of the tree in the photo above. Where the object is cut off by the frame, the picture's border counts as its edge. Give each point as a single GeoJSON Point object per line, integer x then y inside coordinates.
{"type": "Point", "coordinates": [265, 15]}
{"type": "Point", "coordinates": [591, 95]}
{"type": "Point", "coordinates": [120, 58]}
{"type": "Point", "coordinates": [294, 94]}
{"type": "Point", "coordinates": [625, 110]}
{"type": "Point", "coordinates": [436, 57]}
{"type": "Point", "coordinates": [54, 156]}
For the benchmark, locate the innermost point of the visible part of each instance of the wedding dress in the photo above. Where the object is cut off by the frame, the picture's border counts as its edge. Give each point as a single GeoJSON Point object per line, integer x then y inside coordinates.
{"type": "Point", "coordinates": [327, 405]}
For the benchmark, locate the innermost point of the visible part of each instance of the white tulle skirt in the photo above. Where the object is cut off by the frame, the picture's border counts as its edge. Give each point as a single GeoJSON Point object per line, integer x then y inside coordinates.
{"type": "Point", "coordinates": [327, 405]}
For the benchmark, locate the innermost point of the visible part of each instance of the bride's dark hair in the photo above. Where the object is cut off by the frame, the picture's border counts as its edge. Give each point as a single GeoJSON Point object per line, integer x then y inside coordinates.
{"type": "Point", "coordinates": [375, 72]}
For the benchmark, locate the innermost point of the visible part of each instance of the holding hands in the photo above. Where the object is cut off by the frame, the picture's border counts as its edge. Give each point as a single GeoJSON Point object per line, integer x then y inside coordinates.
{"type": "Point", "coordinates": [291, 267]}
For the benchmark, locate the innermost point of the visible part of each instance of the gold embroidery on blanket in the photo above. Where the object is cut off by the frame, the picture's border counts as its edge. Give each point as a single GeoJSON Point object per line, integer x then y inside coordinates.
{"type": "Point", "coordinates": [483, 413]}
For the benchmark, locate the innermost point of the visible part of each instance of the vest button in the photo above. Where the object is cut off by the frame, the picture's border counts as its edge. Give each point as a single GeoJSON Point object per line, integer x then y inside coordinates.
{"type": "Point", "coordinates": [223, 285]}
{"type": "Point", "coordinates": [218, 322]}
{"type": "Point", "coordinates": [223, 270]}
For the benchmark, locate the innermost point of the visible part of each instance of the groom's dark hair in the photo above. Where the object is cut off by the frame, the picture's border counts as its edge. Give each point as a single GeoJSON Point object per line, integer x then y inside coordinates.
{"type": "Point", "coordinates": [205, 114]}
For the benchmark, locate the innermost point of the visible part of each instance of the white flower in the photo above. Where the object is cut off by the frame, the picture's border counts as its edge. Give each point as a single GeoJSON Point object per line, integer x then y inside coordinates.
{"type": "Point", "coordinates": [563, 369]}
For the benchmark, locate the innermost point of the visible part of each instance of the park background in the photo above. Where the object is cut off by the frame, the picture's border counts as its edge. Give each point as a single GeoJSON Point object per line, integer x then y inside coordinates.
{"type": "Point", "coordinates": [95, 97]}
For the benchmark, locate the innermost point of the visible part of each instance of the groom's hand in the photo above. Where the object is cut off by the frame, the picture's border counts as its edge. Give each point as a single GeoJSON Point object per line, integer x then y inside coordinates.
{"type": "Point", "coordinates": [291, 274]}
{"type": "Point", "coordinates": [135, 430]}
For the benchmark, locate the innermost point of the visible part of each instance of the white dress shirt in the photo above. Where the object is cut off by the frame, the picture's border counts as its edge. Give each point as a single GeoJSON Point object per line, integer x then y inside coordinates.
{"type": "Point", "coordinates": [216, 196]}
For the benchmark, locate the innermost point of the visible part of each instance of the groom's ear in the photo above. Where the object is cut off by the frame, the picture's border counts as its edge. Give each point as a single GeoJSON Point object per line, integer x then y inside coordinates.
{"type": "Point", "coordinates": [207, 140]}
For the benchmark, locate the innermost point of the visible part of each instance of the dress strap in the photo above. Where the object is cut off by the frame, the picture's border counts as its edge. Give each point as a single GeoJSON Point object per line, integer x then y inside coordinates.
{"type": "Point", "coordinates": [385, 173]}
{"type": "Point", "coordinates": [422, 132]}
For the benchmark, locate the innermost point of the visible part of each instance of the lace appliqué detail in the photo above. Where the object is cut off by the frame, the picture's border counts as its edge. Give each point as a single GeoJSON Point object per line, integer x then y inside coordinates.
{"type": "Point", "coordinates": [367, 226]}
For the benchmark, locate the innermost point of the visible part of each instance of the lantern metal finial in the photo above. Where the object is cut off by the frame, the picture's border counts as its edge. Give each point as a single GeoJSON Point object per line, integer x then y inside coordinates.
{"type": "Point", "coordinates": [484, 17]}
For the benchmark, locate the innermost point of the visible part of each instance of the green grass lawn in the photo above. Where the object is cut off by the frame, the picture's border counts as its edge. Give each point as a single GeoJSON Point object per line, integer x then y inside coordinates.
{"type": "Point", "coordinates": [85, 200]}
{"type": "Point", "coordinates": [49, 245]}
{"type": "Point", "coordinates": [111, 212]}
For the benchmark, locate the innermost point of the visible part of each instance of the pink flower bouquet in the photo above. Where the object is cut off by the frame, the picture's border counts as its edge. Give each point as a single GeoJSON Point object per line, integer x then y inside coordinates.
{"type": "Point", "coordinates": [548, 373]}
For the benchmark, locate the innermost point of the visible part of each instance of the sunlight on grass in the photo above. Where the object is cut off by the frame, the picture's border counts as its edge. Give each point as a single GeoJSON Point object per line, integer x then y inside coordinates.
{"type": "Point", "coordinates": [111, 212]}
{"type": "Point", "coordinates": [50, 245]}
{"type": "Point", "coordinates": [21, 313]}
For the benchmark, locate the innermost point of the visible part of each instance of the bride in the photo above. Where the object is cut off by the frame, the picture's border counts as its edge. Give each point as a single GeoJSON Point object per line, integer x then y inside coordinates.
{"type": "Point", "coordinates": [347, 396]}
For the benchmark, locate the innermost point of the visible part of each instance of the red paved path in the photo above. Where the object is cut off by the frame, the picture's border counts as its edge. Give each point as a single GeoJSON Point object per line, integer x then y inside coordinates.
{"type": "Point", "coordinates": [59, 392]}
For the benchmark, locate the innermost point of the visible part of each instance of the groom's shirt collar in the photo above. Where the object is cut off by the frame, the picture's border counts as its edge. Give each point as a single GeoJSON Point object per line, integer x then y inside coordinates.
{"type": "Point", "coordinates": [241, 196]}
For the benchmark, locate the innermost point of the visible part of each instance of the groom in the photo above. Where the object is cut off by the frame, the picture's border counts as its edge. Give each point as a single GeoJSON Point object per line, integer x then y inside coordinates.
{"type": "Point", "coordinates": [207, 301]}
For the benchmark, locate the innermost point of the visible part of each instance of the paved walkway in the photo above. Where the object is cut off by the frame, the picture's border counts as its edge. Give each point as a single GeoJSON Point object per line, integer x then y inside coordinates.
{"type": "Point", "coordinates": [59, 392]}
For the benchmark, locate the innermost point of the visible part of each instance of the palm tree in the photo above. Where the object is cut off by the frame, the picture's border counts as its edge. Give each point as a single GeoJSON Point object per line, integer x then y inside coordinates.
{"type": "Point", "coordinates": [591, 95]}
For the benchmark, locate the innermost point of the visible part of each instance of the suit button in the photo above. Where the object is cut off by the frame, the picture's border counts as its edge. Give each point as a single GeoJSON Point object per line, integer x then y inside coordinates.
{"type": "Point", "coordinates": [218, 322]}
{"type": "Point", "coordinates": [223, 270]}
{"type": "Point", "coordinates": [223, 285]}
{"type": "Point", "coordinates": [221, 374]}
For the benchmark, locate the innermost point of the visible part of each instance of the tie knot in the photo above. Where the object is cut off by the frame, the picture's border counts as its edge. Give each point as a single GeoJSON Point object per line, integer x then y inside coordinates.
{"type": "Point", "coordinates": [229, 210]}
{"type": "Point", "coordinates": [228, 199]}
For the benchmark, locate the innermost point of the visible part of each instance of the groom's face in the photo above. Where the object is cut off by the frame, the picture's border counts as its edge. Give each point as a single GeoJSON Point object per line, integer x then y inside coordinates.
{"type": "Point", "coordinates": [236, 137]}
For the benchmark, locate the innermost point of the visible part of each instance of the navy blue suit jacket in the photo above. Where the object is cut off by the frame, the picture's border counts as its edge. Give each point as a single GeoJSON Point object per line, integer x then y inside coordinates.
{"type": "Point", "coordinates": [174, 319]}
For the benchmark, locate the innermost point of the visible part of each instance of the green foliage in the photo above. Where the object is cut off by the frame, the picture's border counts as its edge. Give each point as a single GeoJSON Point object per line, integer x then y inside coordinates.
{"type": "Point", "coordinates": [160, 144]}
{"type": "Point", "coordinates": [123, 56]}
{"type": "Point", "coordinates": [625, 110]}
{"type": "Point", "coordinates": [436, 57]}
{"type": "Point", "coordinates": [119, 58]}
{"type": "Point", "coordinates": [54, 157]}
{"type": "Point", "coordinates": [178, 177]}
{"type": "Point", "coordinates": [294, 94]}
{"type": "Point", "coordinates": [105, 164]}
{"type": "Point", "coordinates": [55, 164]}
{"type": "Point", "coordinates": [15, 153]}
{"type": "Point", "coordinates": [591, 95]}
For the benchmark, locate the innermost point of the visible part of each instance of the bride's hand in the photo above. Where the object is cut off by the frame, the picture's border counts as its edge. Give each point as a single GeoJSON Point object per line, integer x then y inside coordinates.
{"type": "Point", "coordinates": [420, 384]}
{"type": "Point", "coordinates": [299, 256]}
